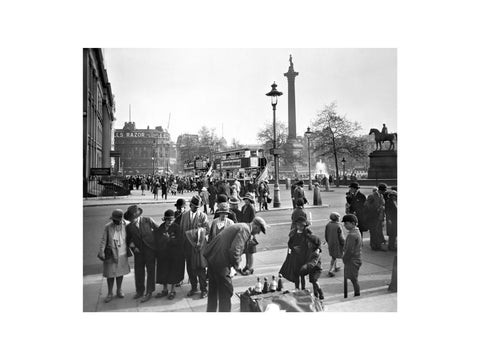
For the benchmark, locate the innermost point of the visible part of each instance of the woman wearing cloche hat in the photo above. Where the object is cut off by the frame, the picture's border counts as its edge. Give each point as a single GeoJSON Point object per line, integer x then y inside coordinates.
{"type": "Point", "coordinates": [113, 252]}
{"type": "Point", "coordinates": [221, 222]}
{"type": "Point", "coordinates": [169, 253]}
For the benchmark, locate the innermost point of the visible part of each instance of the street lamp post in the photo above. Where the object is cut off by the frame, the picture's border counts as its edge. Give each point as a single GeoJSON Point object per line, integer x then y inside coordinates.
{"type": "Point", "coordinates": [343, 163]}
{"type": "Point", "coordinates": [309, 133]}
{"type": "Point", "coordinates": [153, 159]}
{"type": "Point", "coordinates": [274, 94]}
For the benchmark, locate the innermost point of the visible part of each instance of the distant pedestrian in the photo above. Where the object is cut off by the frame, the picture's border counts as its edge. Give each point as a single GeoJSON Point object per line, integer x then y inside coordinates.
{"type": "Point", "coordinates": [155, 187]}
{"type": "Point", "coordinates": [170, 256]}
{"type": "Point", "coordinates": [212, 195]}
{"type": "Point", "coordinates": [335, 240]}
{"type": "Point", "coordinates": [223, 253]}
{"type": "Point", "coordinates": [143, 186]}
{"type": "Point", "coordinates": [204, 195]}
{"type": "Point", "coordinates": [352, 253]}
{"type": "Point", "coordinates": [299, 193]}
{"type": "Point", "coordinates": [113, 252]}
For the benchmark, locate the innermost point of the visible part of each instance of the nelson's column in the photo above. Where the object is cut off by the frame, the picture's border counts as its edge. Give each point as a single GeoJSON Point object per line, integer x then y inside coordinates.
{"type": "Point", "coordinates": [293, 145]}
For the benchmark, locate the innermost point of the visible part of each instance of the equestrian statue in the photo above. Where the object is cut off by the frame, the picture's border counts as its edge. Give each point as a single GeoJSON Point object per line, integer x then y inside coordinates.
{"type": "Point", "coordinates": [382, 136]}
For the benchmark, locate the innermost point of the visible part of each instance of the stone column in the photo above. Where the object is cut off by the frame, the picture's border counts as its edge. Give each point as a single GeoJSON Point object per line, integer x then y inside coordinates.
{"type": "Point", "coordinates": [292, 121]}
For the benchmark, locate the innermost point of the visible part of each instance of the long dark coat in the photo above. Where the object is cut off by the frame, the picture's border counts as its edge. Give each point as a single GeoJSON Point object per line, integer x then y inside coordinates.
{"type": "Point", "coordinates": [170, 254]}
{"type": "Point", "coordinates": [356, 206]}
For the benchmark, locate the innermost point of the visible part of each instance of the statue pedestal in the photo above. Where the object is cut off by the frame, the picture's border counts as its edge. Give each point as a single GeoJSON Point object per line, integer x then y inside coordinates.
{"type": "Point", "coordinates": [383, 164]}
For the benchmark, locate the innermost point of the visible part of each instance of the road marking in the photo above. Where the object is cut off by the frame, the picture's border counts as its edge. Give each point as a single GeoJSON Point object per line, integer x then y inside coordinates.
{"type": "Point", "coordinates": [289, 223]}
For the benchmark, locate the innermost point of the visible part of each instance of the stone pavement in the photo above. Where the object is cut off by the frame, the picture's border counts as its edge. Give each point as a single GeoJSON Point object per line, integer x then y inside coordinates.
{"type": "Point", "coordinates": [375, 275]}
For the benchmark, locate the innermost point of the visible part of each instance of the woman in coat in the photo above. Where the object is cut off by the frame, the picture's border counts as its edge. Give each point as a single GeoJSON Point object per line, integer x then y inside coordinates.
{"type": "Point", "coordinates": [114, 253]}
{"type": "Point", "coordinates": [170, 256]}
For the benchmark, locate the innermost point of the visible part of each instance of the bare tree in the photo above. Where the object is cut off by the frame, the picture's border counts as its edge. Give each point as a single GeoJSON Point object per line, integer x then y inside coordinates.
{"type": "Point", "coordinates": [288, 159]}
{"type": "Point", "coordinates": [335, 135]}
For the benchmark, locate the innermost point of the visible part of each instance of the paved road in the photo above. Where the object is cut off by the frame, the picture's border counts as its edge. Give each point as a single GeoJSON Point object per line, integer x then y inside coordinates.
{"type": "Point", "coordinates": [279, 220]}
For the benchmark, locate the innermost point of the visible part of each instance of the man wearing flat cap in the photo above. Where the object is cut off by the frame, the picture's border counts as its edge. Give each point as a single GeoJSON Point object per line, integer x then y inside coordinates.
{"type": "Point", "coordinates": [223, 253]}
{"type": "Point", "coordinates": [195, 227]}
{"type": "Point", "coordinates": [356, 205]}
{"type": "Point", "coordinates": [140, 240]}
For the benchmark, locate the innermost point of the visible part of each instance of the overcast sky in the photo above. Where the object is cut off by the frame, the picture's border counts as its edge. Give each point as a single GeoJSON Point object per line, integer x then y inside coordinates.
{"type": "Point", "coordinates": [212, 87]}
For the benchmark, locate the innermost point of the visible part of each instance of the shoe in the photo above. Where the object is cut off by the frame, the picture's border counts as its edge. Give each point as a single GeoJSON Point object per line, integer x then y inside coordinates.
{"type": "Point", "coordinates": [356, 294]}
{"type": "Point", "coordinates": [171, 296]}
{"type": "Point", "coordinates": [147, 297]}
{"type": "Point", "coordinates": [120, 294]}
{"type": "Point", "coordinates": [138, 296]}
{"type": "Point", "coordinates": [108, 298]}
{"type": "Point", "coordinates": [192, 292]}
{"type": "Point", "coordinates": [337, 269]}
{"type": "Point", "coordinates": [203, 295]}
{"type": "Point", "coordinates": [330, 274]}
{"type": "Point", "coordinates": [161, 294]}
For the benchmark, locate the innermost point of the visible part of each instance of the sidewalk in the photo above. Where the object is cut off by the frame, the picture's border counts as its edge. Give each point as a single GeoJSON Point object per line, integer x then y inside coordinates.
{"type": "Point", "coordinates": [375, 275]}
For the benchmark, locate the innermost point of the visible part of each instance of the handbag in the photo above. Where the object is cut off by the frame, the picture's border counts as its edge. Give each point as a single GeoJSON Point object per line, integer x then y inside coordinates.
{"type": "Point", "coordinates": [287, 270]}
{"type": "Point", "coordinates": [269, 199]}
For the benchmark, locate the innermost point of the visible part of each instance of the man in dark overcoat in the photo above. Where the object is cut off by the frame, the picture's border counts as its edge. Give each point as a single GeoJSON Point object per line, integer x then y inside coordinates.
{"type": "Point", "coordinates": [356, 205]}
{"type": "Point", "coordinates": [140, 240]}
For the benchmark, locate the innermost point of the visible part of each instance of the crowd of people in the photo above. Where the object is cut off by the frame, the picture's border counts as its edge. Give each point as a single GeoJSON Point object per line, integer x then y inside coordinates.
{"type": "Point", "coordinates": [210, 249]}
{"type": "Point", "coordinates": [184, 238]}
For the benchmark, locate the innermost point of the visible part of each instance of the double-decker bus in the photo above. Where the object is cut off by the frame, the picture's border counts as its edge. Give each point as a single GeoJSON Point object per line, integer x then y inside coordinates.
{"type": "Point", "coordinates": [243, 164]}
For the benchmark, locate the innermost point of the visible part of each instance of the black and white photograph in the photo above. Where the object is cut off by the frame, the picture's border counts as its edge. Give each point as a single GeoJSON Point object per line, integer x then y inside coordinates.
{"type": "Point", "coordinates": [281, 197]}
{"type": "Point", "coordinates": [219, 180]}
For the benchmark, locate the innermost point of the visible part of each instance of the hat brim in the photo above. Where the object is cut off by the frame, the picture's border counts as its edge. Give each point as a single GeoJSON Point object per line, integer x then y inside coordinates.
{"type": "Point", "coordinates": [119, 218]}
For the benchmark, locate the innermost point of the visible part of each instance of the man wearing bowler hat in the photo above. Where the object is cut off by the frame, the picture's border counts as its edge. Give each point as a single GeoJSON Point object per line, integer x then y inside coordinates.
{"type": "Point", "coordinates": [356, 205]}
{"type": "Point", "coordinates": [194, 227]}
{"type": "Point", "coordinates": [140, 240]}
{"type": "Point", "coordinates": [224, 252]}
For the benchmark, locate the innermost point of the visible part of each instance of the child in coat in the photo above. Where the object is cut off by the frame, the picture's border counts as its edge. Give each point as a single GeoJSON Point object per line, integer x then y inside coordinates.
{"type": "Point", "coordinates": [352, 252]}
{"type": "Point", "coordinates": [336, 241]}
{"type": "Point", "coordinates": [313, 266]}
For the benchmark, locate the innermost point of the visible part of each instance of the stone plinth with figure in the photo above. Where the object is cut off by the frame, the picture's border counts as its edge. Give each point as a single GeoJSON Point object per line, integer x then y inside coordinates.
{"type": "Point", "coordinates": [383, 163]}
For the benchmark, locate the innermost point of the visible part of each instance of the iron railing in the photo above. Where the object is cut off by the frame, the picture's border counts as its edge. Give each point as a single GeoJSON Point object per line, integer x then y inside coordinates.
{"type": "Point", "coordinates": [106, 185]}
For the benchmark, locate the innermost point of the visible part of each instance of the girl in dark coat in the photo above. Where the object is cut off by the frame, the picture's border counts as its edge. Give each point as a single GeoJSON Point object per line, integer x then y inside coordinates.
{"type": "Point", "coordinates": [170, 255]}
{"type": "Point", "coordinates": [297, 243]}
{"type": "Point", "coordinates": [336, 241]}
